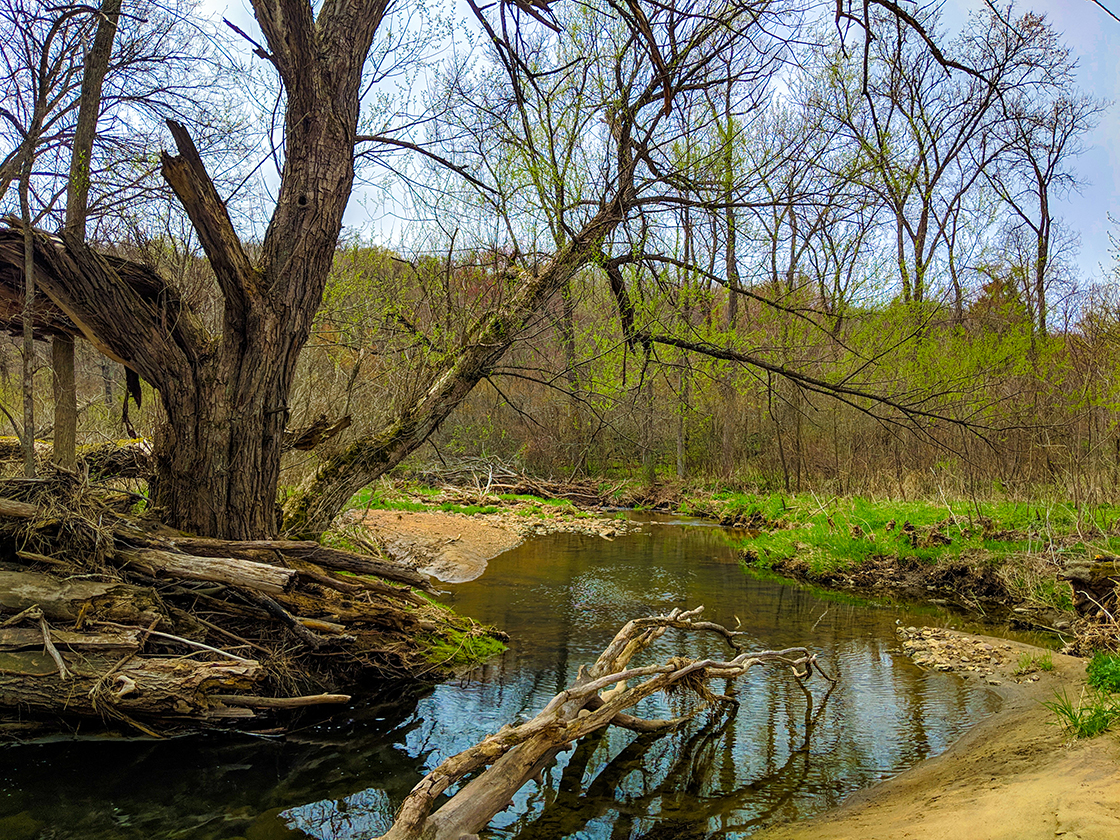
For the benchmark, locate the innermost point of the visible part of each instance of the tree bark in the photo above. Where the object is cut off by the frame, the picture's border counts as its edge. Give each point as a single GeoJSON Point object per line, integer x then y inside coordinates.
{"type": "Point", "coordinates": [96, 65]}
{"type": "Point", "coordinates": [64, 449]}
{"type": "Point", "coordinates": [171, 687]}
{"type": "Point", "coordinates": [67, 600]}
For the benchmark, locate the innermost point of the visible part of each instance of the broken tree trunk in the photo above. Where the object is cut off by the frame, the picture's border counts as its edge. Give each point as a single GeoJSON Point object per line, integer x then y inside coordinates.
{"type": "Point", "coordinates": [1095, 584]}
{"type": "Point", "coordinates": [515, 754]}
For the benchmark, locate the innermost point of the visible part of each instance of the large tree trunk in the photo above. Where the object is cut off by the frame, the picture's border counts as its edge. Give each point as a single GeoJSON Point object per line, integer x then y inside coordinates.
{"type": "Point", "coordinates": [226, 397]}
{"type": "Point", "coordinates": [217, 457]}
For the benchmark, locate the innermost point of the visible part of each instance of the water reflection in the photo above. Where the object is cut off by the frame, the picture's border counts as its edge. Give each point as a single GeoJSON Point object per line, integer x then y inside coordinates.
{"type": "Point", "coordinates": [561, 598]}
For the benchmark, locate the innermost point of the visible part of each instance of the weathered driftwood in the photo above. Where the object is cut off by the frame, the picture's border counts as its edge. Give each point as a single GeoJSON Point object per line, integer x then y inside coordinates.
{"type": "Point", "coordinates": [246, 573]}
{"type": "Point", "coordinates": [307, 551]}
{"type": "Point", "coordinates": [1095, 584]}
{"type": "Point", "coordinates": [515, 754]}
{"type": "Point", "coordinates": [99, 685]}
{"type": "Point", "coordinates": [67, 600]}
{"type": "Point", "coordinates": [27, 638]}
{"type": "Point", "coordinates": [20, 510]}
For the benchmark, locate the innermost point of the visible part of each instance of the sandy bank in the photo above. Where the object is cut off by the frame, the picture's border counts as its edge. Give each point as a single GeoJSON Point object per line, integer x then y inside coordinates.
{"type": "Point", "coordinates": [454, 547]}
{"type": "Point", "coordinates": [1015, 776]}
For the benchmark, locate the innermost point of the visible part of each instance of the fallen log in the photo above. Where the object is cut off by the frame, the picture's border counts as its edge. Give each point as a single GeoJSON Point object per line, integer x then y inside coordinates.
{"type": "Point", "coordinates": [308, 551]}
{"type": "Point", "coordinates": [69, 600]}
{"type": "Point", "coordinates": [142, 687]}
{"type": "Point", "coordinates": [124, 602]}
{"type": "Point", "coordinates": [20, 510]}
{"type": "Point", "coordinates": [245, 573]}
{"type": "Point", "coordinates": [512, 756]}
{"type": "Point", "coordinates": [26, 638]}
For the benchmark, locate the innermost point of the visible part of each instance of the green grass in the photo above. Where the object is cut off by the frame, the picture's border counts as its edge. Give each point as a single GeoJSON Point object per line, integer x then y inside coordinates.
{"type": "Point", "coordinates": [457, 649]}
{"type": "Point", "coordinates": [1029, 663]}
{"type": "Point", "coordinates": [1094, 713]}
{"type": "Point", "coordinates": [536, 500]}
{"type": "Point", "coordinates": [833, 533]}
{"type": "Point", "coordinates": [369, 498]}
{"type": "Point", "coordinates": [1104, 672]}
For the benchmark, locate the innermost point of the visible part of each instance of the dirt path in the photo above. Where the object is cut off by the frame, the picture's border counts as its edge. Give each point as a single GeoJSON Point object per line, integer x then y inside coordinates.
{"type": "Point", "coordinates": [1015, 776]}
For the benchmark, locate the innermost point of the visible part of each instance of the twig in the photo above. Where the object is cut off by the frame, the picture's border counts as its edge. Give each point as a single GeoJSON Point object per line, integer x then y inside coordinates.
{"type": "Point", "coordinates": [233, 636]}
{"type": "Point", "coordinates": [286, 618]}
{"type": "Point", "coordinates": [31, 612]}
{"type": "Point", "coordinates": [188, 642]}
{"type": "Point", "coordinates": [63, 674]}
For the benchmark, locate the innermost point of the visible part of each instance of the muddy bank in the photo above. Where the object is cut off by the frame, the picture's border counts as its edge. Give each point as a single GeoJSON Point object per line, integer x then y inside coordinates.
{"type": "Point", "coordinates": [1015, 776]}
{"type": "Point", "coordinates": [454, 547]}
{"type": "Point", "coordinates": [974, 588]}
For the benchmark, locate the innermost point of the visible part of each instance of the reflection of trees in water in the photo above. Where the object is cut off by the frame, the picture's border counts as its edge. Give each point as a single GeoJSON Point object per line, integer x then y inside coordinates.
{"type": "Point", "coordinates": [674, 802]}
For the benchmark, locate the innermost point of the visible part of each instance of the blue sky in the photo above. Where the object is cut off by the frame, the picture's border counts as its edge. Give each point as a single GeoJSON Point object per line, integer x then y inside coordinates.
{"type": "Point", "coordinates": [1094, 38]}
{"type": "Point", "coordinates": [1092, 35]}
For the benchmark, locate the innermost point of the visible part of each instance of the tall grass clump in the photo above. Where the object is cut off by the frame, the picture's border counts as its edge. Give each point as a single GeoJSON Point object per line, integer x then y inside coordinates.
{"type": "Point", "coordinates": [1094, 713]}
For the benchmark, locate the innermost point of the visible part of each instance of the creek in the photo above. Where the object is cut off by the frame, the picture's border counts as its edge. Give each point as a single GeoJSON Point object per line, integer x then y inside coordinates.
{"type": "Point", "coordinates": [561, 597]}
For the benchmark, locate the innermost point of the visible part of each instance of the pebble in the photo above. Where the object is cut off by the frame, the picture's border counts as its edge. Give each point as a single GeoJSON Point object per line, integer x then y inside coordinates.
{"type": "Point", "coordinates": [943, 650]}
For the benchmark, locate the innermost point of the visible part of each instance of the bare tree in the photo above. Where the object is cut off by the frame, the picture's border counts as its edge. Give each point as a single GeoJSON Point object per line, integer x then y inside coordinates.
{"type": "Point", "coordinates": [929, 134]}
{"type": "Point", "coordinates": [1041, 142]}
{"type": "Point", "coordinates": [95, 66]}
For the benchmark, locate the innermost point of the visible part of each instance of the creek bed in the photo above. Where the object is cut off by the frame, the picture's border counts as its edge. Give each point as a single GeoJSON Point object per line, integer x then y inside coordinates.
{"type": "Point", "coordinates": [561, 598]}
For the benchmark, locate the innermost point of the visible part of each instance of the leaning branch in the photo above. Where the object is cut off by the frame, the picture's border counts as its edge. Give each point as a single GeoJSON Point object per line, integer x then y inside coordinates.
{"type": "Point", "coordinates": [512, 756]}
{"type": "Point", "coordinates": [187, 176]}
{"type": "Point", "coordinates": [837, 390]}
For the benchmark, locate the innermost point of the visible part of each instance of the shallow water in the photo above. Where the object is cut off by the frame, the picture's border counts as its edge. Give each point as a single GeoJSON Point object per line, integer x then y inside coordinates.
{"type": "Point", "coordinates": [561, 598]}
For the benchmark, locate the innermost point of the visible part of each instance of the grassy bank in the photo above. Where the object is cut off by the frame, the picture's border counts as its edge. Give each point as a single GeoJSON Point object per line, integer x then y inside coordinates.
{"type": "Point", "coordinates": [972, 551]}
{"type": "Point", "coordinates": [1025, 544]}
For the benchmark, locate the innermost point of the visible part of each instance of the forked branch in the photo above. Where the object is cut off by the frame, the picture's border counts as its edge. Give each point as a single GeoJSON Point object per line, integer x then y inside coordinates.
{"type": "Point", "coordinates": [597, 698]}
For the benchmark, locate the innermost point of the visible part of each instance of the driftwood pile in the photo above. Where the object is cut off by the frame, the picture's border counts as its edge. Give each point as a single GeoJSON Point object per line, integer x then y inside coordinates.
{"type": "Point", "coordinates": [103, 617]}
{"type": "Point", "coordinates": [1095, 585]}
{"type": "Point", "coordinates": [503, 762]}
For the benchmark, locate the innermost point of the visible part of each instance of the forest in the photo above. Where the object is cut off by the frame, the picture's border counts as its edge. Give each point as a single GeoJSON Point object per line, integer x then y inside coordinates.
{"type": "Point", "coordinates": [749, 244]}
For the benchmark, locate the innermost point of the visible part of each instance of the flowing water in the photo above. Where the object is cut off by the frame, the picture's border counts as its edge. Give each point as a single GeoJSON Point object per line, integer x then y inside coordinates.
{"type": "Point", "coordinates": [561, 598]}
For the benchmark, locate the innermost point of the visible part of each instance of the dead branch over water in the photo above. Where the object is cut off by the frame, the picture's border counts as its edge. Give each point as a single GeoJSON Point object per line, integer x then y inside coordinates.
{"type": "Point", "coordinates": [597, 698]}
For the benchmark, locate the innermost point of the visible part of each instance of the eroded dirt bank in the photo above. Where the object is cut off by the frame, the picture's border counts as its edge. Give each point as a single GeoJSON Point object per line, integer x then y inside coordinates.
{"type": "Point", "coordinates": [454, 547]}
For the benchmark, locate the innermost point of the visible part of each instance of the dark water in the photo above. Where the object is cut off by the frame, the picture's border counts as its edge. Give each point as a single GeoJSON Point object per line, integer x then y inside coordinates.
{"type": "Point", "coordinates": [561, 598]}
